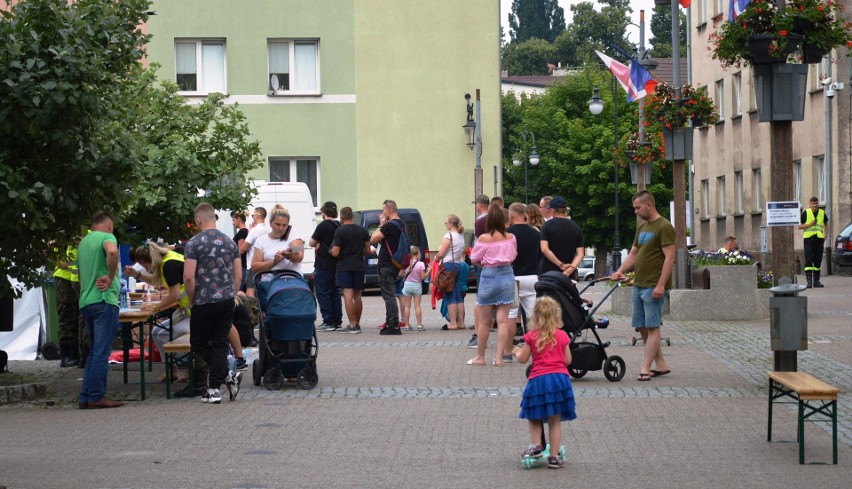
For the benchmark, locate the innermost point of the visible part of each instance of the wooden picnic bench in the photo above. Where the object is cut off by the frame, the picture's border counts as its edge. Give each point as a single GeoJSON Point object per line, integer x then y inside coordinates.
{"type": "Point", "coordinates": [175, 350]}
{"type": "Point", "coordinates": [813, 397]}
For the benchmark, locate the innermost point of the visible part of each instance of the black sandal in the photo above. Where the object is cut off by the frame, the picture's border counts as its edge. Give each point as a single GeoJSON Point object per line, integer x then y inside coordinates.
{"type": "Point", "coordinates": [644, 377]}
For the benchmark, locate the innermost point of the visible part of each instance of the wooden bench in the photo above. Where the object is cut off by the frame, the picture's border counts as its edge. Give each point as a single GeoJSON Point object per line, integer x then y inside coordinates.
{"type": "Point", "coordinates": [174, 350]}
{"type": "Point", "coordinates": [813, 397]}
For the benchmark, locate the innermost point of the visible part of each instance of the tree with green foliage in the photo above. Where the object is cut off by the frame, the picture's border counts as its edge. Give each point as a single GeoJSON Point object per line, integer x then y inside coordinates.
{"type": "Point", "coordinates": [577, 158]}
{"type": "Point", "coordinates": [65, 80]}
{"type": "Point", "coordinates": [661, 29]}
{"type": "Point", "coordinates": [591, 30]}
{"type": "Point", "coordinates": [190, 150]}
{"type": "Point", "coordinates": [83, 127]}
{"type": "Point", "coordinates": [528, 58]}
{"type": "Point", "coordinates": [536, 19]}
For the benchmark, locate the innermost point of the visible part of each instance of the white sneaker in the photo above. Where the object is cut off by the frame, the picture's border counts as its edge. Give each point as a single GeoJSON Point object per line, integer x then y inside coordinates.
{"type": "Point", "coordinates": [212, 396]}
{"type": "Point", "coordinates": [233, 385]}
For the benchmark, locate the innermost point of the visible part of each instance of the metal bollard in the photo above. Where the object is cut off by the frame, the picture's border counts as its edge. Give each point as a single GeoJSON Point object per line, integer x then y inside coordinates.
{"type": "Point", "coordinates": [788, 325]}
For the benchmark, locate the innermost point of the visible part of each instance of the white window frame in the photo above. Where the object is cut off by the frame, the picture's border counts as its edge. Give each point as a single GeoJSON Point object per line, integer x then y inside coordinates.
{"type": "Point", "coordinates": [721, 204]}
{"type": "Point", "coordinates": [821, 180]}
{"type": "Point", "coordinates": [705, 197]}
{"type": "Point", "coordinates": [702, 12]}
{"type": "Point", "coordinates": [201, 89]}
{"type": "Point", "coordinates": [737, 94]}
{"type": "Point", "coordinates": [797, 178]}
{"type": "Point", "coordinates": [720, 97]}
{"type": "Point", "coordinates": [293, 68]}
{"type": "Point", "coordinates": [721, 6]}
{"type": "Point", "coordinates": [752, 103]}
{"type": "Point", "coordinates": [757, 190]}
{"type": "Point", "coordinates": [739, 202]}
{"type": "Point", "coordinates": [292, 172]}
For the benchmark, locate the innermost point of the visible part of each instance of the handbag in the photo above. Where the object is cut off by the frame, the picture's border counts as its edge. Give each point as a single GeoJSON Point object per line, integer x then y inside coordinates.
{"type": "Point", "coordinates": [446, 279]}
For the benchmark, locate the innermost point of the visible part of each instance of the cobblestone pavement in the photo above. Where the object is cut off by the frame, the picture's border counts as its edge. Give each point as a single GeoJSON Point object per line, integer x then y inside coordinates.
{"type": "Point", "coordinates": [406, 411]}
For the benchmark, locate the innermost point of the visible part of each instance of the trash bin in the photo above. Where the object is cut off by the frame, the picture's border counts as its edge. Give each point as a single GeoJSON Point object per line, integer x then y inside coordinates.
{"type": "Point", "coordinates": [788, 318]}
{"type": "Point", "coordinates": [50, 349]}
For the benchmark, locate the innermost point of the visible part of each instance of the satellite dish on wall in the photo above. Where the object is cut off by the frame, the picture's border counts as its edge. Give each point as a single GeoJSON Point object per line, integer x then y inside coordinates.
{"type": "Point", "coordinates": [274, 83]}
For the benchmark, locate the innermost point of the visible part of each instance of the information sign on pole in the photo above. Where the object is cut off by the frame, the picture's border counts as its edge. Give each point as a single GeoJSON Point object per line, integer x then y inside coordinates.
{"type": "Point", "coordinates": [783, 213]}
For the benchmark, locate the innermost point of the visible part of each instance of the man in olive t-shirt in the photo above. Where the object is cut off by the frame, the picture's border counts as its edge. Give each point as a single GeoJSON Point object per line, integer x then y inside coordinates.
{"type": "Point", "coordinates": [653, 254]}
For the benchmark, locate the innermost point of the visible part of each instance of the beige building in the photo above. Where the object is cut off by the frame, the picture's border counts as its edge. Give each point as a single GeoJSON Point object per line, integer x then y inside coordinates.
{"type": "Point", "coordinates": [731, 171]}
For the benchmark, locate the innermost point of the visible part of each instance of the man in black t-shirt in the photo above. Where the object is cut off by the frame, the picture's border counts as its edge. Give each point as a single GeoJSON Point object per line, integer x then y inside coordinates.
{"type": "Point", "coordinates": [325, 267]}
{"type": "Point", "coordinates": [525, 266]}
{"type": "Point", "coordinates": [386, 239]}
{"type": "Point", "coordinates": [561, 241]}
{"type": "Point", "coordinates": [351, 244]}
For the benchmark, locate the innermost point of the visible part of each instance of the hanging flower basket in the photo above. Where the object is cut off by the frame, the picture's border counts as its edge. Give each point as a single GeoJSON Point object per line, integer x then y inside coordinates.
{"type": "Point", "coordinates": [678, 143]}
{"type": "Point", "coordinates": [765, 48]}
{"type": "Point", "coordinates": [780, 89]}
{"type": "Point", "coordinates": [813, 54]}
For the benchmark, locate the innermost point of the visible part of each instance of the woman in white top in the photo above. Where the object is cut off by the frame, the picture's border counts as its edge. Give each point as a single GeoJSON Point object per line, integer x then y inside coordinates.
{"type": "Point", "coordinates": [281, 248]}
{"type": "Point", "coordinates": [451, 254]}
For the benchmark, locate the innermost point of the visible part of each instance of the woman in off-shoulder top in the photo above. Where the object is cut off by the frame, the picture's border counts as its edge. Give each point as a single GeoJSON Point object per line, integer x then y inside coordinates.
{"type": "Point", "coordinates": [494, 252]}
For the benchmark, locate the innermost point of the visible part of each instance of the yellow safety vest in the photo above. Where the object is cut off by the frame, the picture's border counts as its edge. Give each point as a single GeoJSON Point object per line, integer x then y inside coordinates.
{"type": "Point", "coordinates": [183, 299]}
{"type": "Point", "coordinates": [817, 229]}
{"type": "Point", "coordinates": [71, 273]}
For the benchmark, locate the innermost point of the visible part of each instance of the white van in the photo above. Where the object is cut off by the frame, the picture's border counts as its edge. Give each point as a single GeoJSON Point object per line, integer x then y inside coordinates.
{"type": "Point", "coordinates": [296, 198]}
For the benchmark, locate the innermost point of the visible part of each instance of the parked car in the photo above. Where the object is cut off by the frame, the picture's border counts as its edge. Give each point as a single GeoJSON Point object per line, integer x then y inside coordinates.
{"type": "Point", "coordinates": [416, 235]}
{"type": "Point", "coordinates": [586, 270]}
{"type": "Point", "coordinates": [842, 253]}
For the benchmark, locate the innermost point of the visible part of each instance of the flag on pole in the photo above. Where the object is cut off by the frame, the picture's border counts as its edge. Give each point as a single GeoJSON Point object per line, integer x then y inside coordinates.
{"type": "Point", "coordinates": [736, 7]}
{"type": "Point", "coordinates": [685, 3]}
{"type": "Point", "coordinates": [634, 79]}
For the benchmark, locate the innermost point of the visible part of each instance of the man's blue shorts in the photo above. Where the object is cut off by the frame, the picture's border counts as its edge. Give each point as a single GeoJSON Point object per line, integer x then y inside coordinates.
{"type": "Point", "coordinates": [350, 280]}
{"type": "Point", "coordinates": [647, 311]}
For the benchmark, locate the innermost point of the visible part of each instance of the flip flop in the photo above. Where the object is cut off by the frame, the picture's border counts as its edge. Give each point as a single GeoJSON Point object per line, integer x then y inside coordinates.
{"type": "Point", "coordinates": [494, 363]}
{"type": "Point", "coordinates": [475, 364]}
{"type": "Point", "coordinates": [660, 373]}
{"type": "Point", "coordinates": [644, 377]}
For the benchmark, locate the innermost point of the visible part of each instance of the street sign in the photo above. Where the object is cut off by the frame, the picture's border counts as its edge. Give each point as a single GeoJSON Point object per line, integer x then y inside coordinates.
{"type": "Point", "coordinates": [783, 213]}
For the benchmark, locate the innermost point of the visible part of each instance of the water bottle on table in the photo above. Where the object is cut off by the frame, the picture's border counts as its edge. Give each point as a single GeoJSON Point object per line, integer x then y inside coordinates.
{"type": "Point", "coordinates": [122, 297]}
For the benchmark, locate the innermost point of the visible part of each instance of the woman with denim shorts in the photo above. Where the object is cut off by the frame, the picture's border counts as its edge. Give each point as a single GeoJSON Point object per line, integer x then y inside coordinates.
{"type": "Point", "coordinates": [451, 254]}
{"type": "Point", "coordinates": [494, 251]}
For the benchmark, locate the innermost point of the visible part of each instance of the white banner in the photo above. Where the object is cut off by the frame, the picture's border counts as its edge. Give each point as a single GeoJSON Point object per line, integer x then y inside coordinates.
{"type": "Point", "coordinates": [29, 318]}
{"type": "Point", "coordinates": [783, 213]}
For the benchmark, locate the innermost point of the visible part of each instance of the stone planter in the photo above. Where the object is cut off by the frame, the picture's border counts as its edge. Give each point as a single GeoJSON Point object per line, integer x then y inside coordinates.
{"type": "Point", "coordinates": [759, 46]}
{"type": "Point", "coordinates": [733, 295]}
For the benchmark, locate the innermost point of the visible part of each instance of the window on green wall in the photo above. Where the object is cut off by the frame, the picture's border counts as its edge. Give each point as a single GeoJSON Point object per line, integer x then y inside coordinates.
{"type": "Point", "coordinates": [293, 66]}
{"type": "Point", "coordinates": [200, 65]}
{"type": "Point", "coordinates": [305, 170]}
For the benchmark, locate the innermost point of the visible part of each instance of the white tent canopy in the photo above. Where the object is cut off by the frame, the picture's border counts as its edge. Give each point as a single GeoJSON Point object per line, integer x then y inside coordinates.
{"type": "Point", "coordinates": [29, 321]}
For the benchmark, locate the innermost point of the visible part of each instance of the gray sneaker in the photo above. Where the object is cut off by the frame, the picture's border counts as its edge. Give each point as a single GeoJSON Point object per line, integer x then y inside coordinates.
{"type": "Point", "coordinates": [508, 359]}
{"type": "Point", "coordinates": [350, 330]}
{"type": "Point", "coordinates": [472, 343]}
{"type": "Point", "coordinates": [407, 328]}
{"type": "Point", "coordinates": [328, 327]}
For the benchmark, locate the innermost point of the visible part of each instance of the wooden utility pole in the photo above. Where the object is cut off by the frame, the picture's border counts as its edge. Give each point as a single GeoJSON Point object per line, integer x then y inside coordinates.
{"type": "Point", "coordinates": [781, 189]}
{"type": "Point", "coordinates": [679, 184]}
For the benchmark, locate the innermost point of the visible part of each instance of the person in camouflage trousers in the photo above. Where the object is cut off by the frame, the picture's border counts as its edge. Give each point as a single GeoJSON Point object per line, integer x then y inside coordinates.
{"type": "Point", "coordinates": [73, 340]}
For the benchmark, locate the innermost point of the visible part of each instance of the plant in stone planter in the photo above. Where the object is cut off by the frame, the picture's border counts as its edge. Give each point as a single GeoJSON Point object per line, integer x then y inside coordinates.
{"type": "Point", "coordinates": [764, 280]}
{"type": "Point", "coordinates": [821, 25]}
{"type": "Point", "coordinates": [703, 258]}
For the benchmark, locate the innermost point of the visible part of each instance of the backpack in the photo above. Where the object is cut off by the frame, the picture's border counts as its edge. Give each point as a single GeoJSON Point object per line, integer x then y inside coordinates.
{"type": "Point", "coordinates": [401, 258]}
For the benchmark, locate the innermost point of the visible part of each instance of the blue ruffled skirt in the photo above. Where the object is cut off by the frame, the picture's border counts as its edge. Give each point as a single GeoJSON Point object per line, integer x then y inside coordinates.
{"type": "Point", "coordinates": [548, 395]}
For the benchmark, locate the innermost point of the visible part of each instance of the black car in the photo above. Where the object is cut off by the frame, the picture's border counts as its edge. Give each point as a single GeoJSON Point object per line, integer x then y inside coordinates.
{"type": "Point", "coordinates": [842, 252]}
{"type": "Point", "coordinates": [416, 235]}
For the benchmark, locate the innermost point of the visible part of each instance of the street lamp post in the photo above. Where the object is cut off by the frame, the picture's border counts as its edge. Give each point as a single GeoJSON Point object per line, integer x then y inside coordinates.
{"type": "Point", "coordinates": [533, 159]}
{"type": "Point", "coordinates": [596, 107]}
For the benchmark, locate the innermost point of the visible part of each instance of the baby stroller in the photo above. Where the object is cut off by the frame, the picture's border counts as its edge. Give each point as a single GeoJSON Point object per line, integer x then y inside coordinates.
{"type": "Point", "coordinates": [577, 317]}
{"type": "Point", "coordinates": [287, 344]}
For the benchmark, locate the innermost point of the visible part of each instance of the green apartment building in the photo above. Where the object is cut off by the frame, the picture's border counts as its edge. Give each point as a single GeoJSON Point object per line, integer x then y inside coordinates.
{"type": "Point", "coordinates": [363, 100]}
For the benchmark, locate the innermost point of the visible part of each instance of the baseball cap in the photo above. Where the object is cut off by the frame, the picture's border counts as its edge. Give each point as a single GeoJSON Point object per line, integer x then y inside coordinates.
{"type": "Point", "coordinates": [482, 199]}
{"type": "Point", "coordinates": [557, 203]}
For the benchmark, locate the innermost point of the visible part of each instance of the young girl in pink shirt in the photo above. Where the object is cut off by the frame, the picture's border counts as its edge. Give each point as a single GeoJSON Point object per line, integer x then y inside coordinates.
{"type": "Point", "coordinates": [549, 395]}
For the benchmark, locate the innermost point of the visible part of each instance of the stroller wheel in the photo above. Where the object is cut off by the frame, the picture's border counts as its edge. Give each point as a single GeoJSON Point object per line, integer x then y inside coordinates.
{"type": "Point", "coordinates": [578, 373]}
{"type": "Point", "coordinates": [273, 380]}
{"type": "Point", "coordinates": [307, 378]}
{"type": "Point", "coordinates": [614, 368]}
{"type": "Point", "coordinates": [256, 372]}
